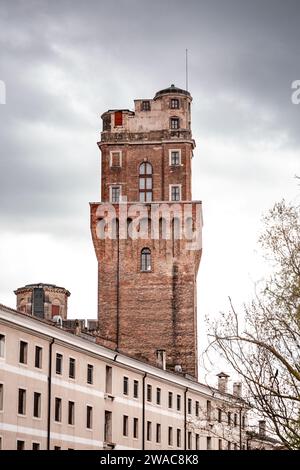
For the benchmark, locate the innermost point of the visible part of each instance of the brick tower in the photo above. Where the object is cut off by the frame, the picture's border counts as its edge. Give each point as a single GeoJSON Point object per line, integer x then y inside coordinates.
{"type": "Point", "coordinates": [147, 232]}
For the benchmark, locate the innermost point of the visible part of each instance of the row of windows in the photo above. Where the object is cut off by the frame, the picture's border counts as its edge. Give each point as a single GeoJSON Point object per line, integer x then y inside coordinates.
{"type": "Point", "coordinates": [174, 103]}
{"type": "Point", "coordinates": [116, 160]}
{"type": "Point", "coordinates": [145, 192]}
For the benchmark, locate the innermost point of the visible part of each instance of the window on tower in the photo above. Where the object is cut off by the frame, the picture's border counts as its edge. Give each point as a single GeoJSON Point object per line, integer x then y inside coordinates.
{"type": "Point", "coordinates": [175, 157]}
{"type": "Point", "coordinates": [145, 182]}
{"type": "Point", "coordinates": [174, 103]}
{"type": "Point", "coordinates": [115, 194]}
{"type": "Point", "coordinates": [174, 123]}
{"type": "Point", "coordinates": [145, 260]}
{"type": "Point", "coordinates": [175, 192]}
{"type": "Point", "coordinates": [146, 106]}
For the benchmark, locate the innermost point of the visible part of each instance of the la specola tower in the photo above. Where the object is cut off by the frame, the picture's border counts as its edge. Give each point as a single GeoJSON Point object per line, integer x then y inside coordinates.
{"type": "Point", "coordinates": [147, 232]}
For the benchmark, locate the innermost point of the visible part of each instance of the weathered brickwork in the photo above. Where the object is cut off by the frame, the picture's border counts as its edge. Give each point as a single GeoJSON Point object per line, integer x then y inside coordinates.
{"type": "Point", "coordinates": [55, 300]}
{"type": "Point", "coordinates": [142, 312]}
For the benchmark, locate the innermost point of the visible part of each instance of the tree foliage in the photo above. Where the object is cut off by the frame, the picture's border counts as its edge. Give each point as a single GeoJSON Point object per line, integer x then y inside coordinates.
{"type": "Point", "coordinates": [262, 343]}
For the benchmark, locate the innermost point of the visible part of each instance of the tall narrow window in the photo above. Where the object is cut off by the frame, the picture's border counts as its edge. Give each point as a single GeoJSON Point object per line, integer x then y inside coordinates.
{"type": "Point", "coordinates": [1, 396]}
{"type": "Point", "coordinates": [146, 106]}
{"type": "Point", "coordinates": [125, 425]}
{"type": "Point", "coordinates": [135, 428]}
{"type": "Point", "coordinates": [57, 410]}
{"type": "Point", "coordinates": [178, 402]}
{"type": "Point", "coordinates": [23, 352]}
{"type": "Point", "coordinates": [145, 260]}
{"type": "Point", "coordinates": [175, 193]}
{"type": "Point", "coordinates": [174, 123]}
{"type": "Point", "coordinates": [175, 158]}
{"type": "Point", "coordinates": [149, 430]}
{"type": "Point", "coordinates": [208, 443]}
{"type": "Point", "coordinates": [22, 402]}
{"type": "Point", "coordinates": [170, 436]}
{"type": "Point", "coordinates": [158, 396]}
{"type": "Point", "coordinates": [235, 419]}
{"type": "Point", "coordinates": [115, 194]}
{"type": "Point", "coordinates": [37, 405]}
{"type": "Point", "coordinates": [178, 437]}
{"type": "Point", "coordinates": [118, 118]}
{"type": "Point", "coordinates": [38, 357]}
{"type": "Point", "coordinates": [220, 444]}
{"type": "Point", "coordinates": [20, 445]}
{"type": "Point", "coordinates": [90, 374]}
{"type": "Point", "coordinates": [189, 440]}
{"type": "Point", "coordinates": [125, 385]}
{"type": "Point", "coordinates": [72, 368]}
{"type": "Point", "coordinates": [135, 389]}
{"type": "Point", "coordinates": [89, 417]}
{"type": "Point", "coordinates": [116, 158]}
{"type": "Point", "coordinates": [170, 400]}
{"type": "Point", "coordinates": [158, 433]}
{"type": "Point", "coordinates": [2, 345]}
{"type": "Point", "coordinates": [145, 182]}
{"type": "Point", "coordinates": [189, 406]}
{"type": "Point", "coordinates": [219, 415]}
{"type": "Point", "coordinates": [108, 379]}
{"type": "Point", "coordinates": [71, 412]}
{"type": "Point", "coordinates": [197, 408]}
{"type": "Point", "coordinates": [59, 360]}
{"type": "Point", "coordinates": [149, 392]}
{"type": "Point", "coordinates": [229, 418]}
{"type": "Point", "coordinates": [208, 410]}
{"type": "Point", "coordinates": [197, 442]}
{"type": "Point", "coordinates": [108, 426]}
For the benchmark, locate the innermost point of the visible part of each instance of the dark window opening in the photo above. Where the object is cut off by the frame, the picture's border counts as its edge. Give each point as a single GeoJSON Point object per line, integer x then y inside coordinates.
{"type": "Point", "coordinates": [146, 106]}
{"type": "Point", "coordinates": [145, 260]}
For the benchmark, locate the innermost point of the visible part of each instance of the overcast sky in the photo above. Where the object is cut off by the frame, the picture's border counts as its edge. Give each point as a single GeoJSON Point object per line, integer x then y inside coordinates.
{"type": "Point", "coordinates": [65, 62]}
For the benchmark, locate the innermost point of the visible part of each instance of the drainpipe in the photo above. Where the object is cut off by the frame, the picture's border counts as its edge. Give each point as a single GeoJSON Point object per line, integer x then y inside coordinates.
{"type": "Point", "coordinates": [143, 412]}
{"type": "Point", "coordinates": [185, 417]}
{"type": "Point", "coordinates": [240, 428]}
{"type": "Point", "coordinates": [118, 284]}
{"type": "Point", "coordinates": [49, 393]}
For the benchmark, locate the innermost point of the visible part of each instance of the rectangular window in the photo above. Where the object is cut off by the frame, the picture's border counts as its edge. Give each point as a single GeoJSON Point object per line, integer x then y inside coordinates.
{"type": "Point", "coordinates": [22, 401]}
{"type": "Point", "coordinates": [57, 411]}
{"type": "Point", "coordinates": [175, 193]}
{"type": "Point", "coordinates": [72, 364]}
{"type": "Point", "coordinates": [118, 118]}
{"type": "Point", "coordinates": [235, 419]}
{"type": "Point", "coordinates": [229, 418]}
{"type": "Point", "coordinates": [135, 389]}
{"type": "Point", "coordinates": [38, 357]}
{"type": "Point", "coordinates": [55, 310]}
{"type": "Point", "coordinates": [59, 363]}
{"type": "Point", "coordinates": [149, 392]}
{"type": "Point", "coordinates": [149, 430]}
{"type": "Point", "coordinates": [170, 436]}
{"type": "Point", "coordinates": [158, 433]}
{"type": "Point", "coordinates": [115, 194]}
{"type": "Point", "coordinates": [174, 103]}
{"type": "Point", "coordinates": [89, 417]}
{"type": "Point", "coordinates": [108, 426]}
{"type": "Point", "coordinates": [189, 440]}
{"type": "Point", "coordinates": [174, 123]}
{"type": "Point", "coordinates": [243, 422]}
{"type": "Point", "coordinates": [37, 398]}
{"type": "Point", "coordinates": [1, 396]}
{"type": "Point", "coordinates": [71, 412]}
{"type": "Point", "coordinates": [178, 437]}
{"type": "Point", "coordinates": [146, 106]}
{"type": "Point", "coordinates": [178, 402]}
{"type": "Point", "coordinates": [125, 385]}
{"type": "Point", "coordinates": [90, 374]}
{"type": "Point", "coordinates": [36, 446]}
{"type": "Point", "coordinates": [175, 158]}
{"type": "Point", "coordinates": [228, 445]}
{"type": "Point", "coordinates": [2, 345]}
{"type": "Point", "coordinates": [20, 445]}
{"type": "Point", "coordinates": [135, 428]}
{"type": "Point", "coordinates": [108, 379]}
{"type": "Point", "coordinates": [115, 159]}
{"type": "Point", "coordinates": [208, 443]}
{"type": "Point", "coordinates": [235, 446]}
{"type": "Point", "coordinates": [125, 425]}
{"type": "Point", "coordinates": [57, 448]}
{"type": "Point", "coordinates": [197, 442]}
{"type": "Point", "coordinates": [23, 352]}
{"type": "Point", "coordinates": [189, 406]}
{"type": "Point", "coordinates": [208, 410]}
{"type": "Point", "coordinates": [219, 415]}
{"type": "Point", "coordinates": [170, 400]}
{"type": "Point", "coordinates": [197, 408]}
{"type": "Point", "coordinates": [158, 396]}
{"type": "Point", "coordinates": [220, 444]}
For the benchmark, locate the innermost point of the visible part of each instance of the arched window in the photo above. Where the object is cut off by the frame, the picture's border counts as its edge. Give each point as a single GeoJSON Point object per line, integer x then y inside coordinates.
{"type": "Point", "coordinates": [146, 260]}
{"type": "Point", "coordinates": [145, 182]}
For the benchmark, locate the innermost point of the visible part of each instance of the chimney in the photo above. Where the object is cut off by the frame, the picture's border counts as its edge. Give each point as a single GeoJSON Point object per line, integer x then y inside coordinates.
{"type": "Point", "coordinates": [161, 358]}
{"type": "Point", "coordinates": [237, 389]}
{"type": "Point", "coordinates": [222, 382]}
{"type": "Point", "coordinates": [262, 428]}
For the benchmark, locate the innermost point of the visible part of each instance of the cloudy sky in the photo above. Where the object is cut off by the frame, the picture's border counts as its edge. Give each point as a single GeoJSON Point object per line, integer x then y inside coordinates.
{"type": "Point", "coordinates": [65, 62]}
